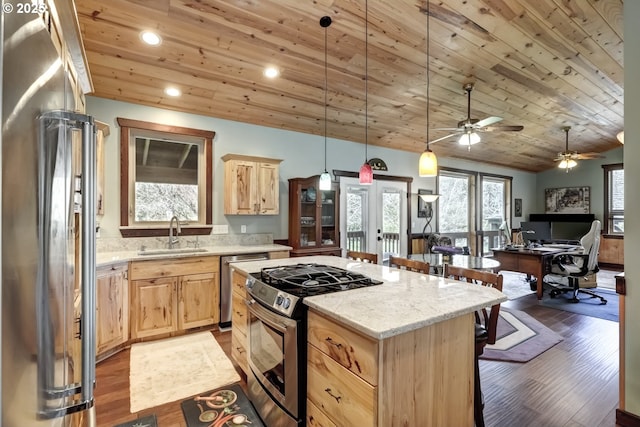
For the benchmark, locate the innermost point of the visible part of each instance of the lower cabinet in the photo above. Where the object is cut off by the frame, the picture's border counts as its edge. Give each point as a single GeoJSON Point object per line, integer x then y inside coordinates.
{"type": "Point", "coordinates": [112, 307]}
{"type": "Point", "coordinates": [422, 377]}
{"type": "Point", "coordinates": [174, 295]}
{"type": "Point", "coordinates": [239, 322]}
{"type": "Point", "coordinates": [611, 250]}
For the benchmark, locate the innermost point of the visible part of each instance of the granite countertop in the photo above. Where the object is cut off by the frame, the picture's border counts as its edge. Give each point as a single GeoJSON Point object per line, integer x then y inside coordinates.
{"type": "Point", "coordinates": [406, 301]}
{"type": "Point", "coordinates": [107, 258]}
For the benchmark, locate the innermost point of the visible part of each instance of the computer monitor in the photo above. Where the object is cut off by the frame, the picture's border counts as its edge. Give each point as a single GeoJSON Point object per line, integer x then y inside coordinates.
{"type": "Point", "coordinates": [536, 231]}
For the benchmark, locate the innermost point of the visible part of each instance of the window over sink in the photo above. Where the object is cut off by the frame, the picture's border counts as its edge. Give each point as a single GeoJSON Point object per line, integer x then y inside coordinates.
{"type": "Point", "coordinates": [165, 171]}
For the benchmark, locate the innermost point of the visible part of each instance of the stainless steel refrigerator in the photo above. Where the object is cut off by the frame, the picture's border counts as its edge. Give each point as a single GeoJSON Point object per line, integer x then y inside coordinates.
{"type": "Point", "coordinates": [48, 235]}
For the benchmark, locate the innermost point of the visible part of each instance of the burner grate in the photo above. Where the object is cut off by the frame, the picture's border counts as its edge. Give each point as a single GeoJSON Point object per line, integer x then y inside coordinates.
{"type": "Point", "coordinates": [314, 275]}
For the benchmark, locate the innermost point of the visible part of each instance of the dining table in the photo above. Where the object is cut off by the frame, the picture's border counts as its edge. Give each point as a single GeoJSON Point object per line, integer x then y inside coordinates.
{"type": "Point", "coordinates": [437, 261]}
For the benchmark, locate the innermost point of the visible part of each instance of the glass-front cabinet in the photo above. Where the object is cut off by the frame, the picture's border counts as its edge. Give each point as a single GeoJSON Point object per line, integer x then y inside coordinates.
{"type": "Point", "coordinates": [313, 218]}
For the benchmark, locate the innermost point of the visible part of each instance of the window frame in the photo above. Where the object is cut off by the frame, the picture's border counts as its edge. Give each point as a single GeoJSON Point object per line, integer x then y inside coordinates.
{"type": "Point", "coordinates": [127, 155]}
{"type": "Point", "coordinates": [608, 212]}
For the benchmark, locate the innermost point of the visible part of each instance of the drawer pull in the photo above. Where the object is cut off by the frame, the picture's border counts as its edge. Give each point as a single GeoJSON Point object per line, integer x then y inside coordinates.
{"type": "Point", "coordinates": [337, 398]}
{"type": "Point", "coordinates": [335, 344]}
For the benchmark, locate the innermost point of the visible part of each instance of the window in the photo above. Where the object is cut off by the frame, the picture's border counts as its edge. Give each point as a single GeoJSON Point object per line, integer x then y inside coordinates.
{"type": "Point", "coordinates": [471, 208]}
{"type": "Point", "coordinates": [614, 198]}
{"type": "Point", "coordinates": [165, 171]}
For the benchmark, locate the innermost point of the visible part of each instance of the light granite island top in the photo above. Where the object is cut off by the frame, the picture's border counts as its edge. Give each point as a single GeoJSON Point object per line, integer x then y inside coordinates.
{"type": "Point", "coordinates": [406, 301]}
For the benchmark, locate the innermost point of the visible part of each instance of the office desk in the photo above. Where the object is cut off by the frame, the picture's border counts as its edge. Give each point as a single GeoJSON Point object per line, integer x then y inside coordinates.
{"type": "Point", "coordinates": [533, 262]}
{"type": "Point", "coordinates": [437, 261]}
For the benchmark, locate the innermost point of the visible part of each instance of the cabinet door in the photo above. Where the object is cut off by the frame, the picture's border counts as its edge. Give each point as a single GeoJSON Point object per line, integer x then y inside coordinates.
{"type": "Point", "coordinates": [198, 301]}
{"type": "Point", "coordinates": [153, 306]}
{"type": "Point", "coordinates": [267, 188]}
{"type": "Point", "coordinates": [240, 187]}
{"type": "Point", "coordinates": [112, 308]}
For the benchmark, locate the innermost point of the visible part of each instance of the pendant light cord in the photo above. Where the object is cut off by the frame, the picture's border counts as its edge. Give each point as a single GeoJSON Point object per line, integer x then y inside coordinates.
{"type": "Point", "coordinates": [366, 79]}
{"type": "Point", "coordinates": [325, 95]}
{"type": "Point", "coordinates": [428, 74]}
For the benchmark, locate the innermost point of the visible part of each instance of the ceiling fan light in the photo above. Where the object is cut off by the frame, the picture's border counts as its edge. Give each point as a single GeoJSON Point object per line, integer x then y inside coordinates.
{"type": "Point", "coordinates": [567, 164]}
{"type": "Point", "coordinates": [324, 183]}
{"type": "Point", "coordinates": [620, 136]}
{"type": "Point", "coordinates": [428, 164]}
{"type": "Point", "coordinates": [366, 174]}
{"type": "Point", "coordinates": [469, 139]}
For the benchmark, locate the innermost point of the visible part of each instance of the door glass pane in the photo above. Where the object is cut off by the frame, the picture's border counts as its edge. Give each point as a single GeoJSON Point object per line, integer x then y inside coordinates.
{"type": "Point", "coordinates": [493, 212]}
{"type": "Point", "coordinates": [391, 222]}
{"type": "Point", "coordinates": [453, 206]}
{"type": "Point", "coordinates": [357, 210]}
{"type": "Point", "coordinates": [617, 190]}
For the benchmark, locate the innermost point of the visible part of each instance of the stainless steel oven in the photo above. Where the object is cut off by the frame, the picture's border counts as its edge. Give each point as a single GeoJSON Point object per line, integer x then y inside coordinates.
{"type": "Point", "coordinates": [275, 355]}
{"type": "Point", "coordinates": [278, 337]}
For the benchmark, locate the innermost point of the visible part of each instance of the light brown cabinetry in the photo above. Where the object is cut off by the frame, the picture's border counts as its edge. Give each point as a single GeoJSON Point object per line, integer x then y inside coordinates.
{"type": "Point", "coordinates": [251, 185]}
{"type": "Point", "coordinates": [611, 250]}
{"type": "Point", "coordinates": [239, 322]}
{"type": "Point", "coordinates": [112, 307]}
{"type": "Point", "coordinates": [422, 377]}
{"type": "Point", "coordinates": [174, 295]}
{"type": "Point", "coordinates": [313, 218]}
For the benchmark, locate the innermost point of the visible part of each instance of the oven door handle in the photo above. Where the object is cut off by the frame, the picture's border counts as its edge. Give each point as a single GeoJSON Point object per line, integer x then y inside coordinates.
{"type": "Point", "coordinates": [279, 323]}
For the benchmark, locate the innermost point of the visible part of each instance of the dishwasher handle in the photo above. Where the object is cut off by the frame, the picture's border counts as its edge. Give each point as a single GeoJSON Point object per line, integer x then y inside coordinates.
{"type": "Point", "coordinates": [247, 257]}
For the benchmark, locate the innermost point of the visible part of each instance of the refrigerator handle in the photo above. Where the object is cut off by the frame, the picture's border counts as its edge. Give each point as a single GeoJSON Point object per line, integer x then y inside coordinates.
{"type": "Point", "coordinates": [88, 325]}
{"type": "Point", "coordinates": [87, 322]}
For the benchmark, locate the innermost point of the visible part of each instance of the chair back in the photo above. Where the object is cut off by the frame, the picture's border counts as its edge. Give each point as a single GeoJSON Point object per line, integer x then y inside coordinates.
{"type": "Point", "coordinates": [487, 318]}
{"type": "Point", "coordinates": [409, 264]}
{"type": "Point", "coordinates": [591, 244]}
{"type": "Point", "coordinates": [363, 256]}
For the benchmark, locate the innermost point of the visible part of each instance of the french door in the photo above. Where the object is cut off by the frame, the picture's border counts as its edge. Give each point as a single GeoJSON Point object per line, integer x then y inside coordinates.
{"type": "Point", "coordinates": [373, 218]}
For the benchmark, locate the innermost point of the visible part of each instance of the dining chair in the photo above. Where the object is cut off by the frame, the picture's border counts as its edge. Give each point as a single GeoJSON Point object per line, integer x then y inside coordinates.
{"type": "Point", "coordinates": [409, 264]}
{"type": "Point", "coordinates": [363, 256]}
{"type": "Point", "coordinates": [485, 326]}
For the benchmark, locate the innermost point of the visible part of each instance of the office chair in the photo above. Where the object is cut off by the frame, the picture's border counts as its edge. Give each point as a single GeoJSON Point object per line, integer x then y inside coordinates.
{"type": "Point", "coordinates": [409, 264]}
{"type": "Point", "coordinates": [577, 264]}
{"type": "Point", "coordinates": [363, 256]}
{"type": "Point", "coordinates": [486, 327]}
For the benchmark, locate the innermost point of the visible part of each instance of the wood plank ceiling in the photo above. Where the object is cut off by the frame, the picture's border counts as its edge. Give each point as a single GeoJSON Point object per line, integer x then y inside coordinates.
{"type": "Point", "coordinates": [542, 64]}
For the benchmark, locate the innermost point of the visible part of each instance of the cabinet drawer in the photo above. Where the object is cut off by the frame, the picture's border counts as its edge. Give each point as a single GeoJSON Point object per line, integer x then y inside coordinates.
{"type": "Point", "coordinates": [350, 400]}
{"type": "Point", "coordinates": [173, 267]}
{"type": "Point", "coordinates": [317, 418]}
{"type": "Point", "coordinates": [238, 282]}
{"type": "Point", "coordinates": [348, 348]}
{"type": "Point", "coordinates": [239, 349]}
{"type": "Point", "coordinates": [238, 313]}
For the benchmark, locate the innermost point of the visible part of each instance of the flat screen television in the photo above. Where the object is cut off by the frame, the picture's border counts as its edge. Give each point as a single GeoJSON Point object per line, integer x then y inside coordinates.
{"type": "Point", "coordinates": [536, 231]}
{"type": "Point", "coordinates": [570, 232]}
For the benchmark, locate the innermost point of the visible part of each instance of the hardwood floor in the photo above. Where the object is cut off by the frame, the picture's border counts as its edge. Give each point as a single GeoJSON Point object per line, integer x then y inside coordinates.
{"type": "Point", "coordinates": [574, 384]}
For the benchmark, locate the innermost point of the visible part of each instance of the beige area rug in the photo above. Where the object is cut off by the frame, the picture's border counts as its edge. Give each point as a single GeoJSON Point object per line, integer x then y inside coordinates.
{"type": "Point", "coordinates": [172, 369]}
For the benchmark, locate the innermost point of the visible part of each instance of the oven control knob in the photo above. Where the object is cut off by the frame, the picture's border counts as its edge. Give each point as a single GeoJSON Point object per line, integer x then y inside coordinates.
{"type": "Point", "coordinates": [250, 281]}
{"type": "Point", "coordinates": [287, 303]}
{"type": "Point", "coordinates": [279, 300]}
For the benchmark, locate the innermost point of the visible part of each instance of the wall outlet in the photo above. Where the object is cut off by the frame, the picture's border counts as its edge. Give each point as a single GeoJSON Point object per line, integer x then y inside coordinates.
{"type": "Point", "coordinates": [243, 228]}
{"type": "Point", "coordinates": [220, 229]}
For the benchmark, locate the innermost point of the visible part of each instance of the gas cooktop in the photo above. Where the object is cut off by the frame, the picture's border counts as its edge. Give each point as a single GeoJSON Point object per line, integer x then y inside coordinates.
{"type": "Point", "coordinates": [281, 288]}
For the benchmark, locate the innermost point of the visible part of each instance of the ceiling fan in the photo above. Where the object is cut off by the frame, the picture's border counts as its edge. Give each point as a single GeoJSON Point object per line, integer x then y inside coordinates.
{"type": "Point", "coordinates": [568, 158]}
{"type": "Point", "coordinates": [469, 128]}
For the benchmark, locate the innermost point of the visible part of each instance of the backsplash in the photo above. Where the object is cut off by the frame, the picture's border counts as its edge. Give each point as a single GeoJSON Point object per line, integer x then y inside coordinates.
{"type": "Point", "coordinates": [117, 244]}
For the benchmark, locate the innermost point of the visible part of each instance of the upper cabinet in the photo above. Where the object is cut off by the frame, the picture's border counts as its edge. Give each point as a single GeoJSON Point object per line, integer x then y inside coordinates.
{"type": "Point", "coordinates": [251, 185]}
{"type": "Point", "coordinates": [313, 218]}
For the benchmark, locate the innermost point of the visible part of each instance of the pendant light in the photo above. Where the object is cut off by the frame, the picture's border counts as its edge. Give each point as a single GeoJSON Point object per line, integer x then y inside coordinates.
{"type": "Point", "coordinates": [428, 164]}
{"type": "Point", "coordinates": [325, 178]}
{"type": "Point", "coordinates": [366, 173]}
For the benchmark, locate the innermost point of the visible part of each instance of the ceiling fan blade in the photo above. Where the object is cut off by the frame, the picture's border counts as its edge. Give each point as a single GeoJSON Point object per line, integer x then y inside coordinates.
{"type": "Point", "coordinates": [445, 137]}
{"type": "Point", "coordinates": [588, 156]}
{"type": "Point", "coordinates": [501, 128]}
{"type": "Point", "coordinates": [487, 122]}
{"type": "Point", "coordinates": [450, 129]}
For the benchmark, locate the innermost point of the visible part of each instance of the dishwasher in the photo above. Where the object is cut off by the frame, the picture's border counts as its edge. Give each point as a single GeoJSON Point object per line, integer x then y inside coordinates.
{"type": "Point", "coordinates": [226, 288]}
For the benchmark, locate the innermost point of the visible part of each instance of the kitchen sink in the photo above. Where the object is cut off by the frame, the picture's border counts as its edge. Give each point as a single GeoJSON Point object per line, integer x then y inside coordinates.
{"type": "Point", "coordinates": [171, 251]}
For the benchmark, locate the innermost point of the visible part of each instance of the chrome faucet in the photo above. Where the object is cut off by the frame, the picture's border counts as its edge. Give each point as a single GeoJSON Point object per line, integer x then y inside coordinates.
{"type": "Point", "coordinates": [173, 240]}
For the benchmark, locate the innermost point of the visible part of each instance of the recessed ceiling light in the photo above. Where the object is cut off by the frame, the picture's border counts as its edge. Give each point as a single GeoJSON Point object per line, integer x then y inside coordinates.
{"type": "Point", "coordinates": [172, 91]}
{"type": "Point", "coordinates": [150, 38]}
{"type": "Point", "coordinates": [271, 72]}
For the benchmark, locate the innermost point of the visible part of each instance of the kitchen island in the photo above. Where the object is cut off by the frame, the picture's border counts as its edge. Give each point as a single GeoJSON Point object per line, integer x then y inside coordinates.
{"type": "Point", "coordinates": [396, 354]}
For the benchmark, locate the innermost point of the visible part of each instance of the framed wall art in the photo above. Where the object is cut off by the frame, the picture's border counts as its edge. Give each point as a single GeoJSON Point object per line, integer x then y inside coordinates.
{"type": "Point", "coordinates": [570, 200]}
{"type": "Point", "coordinates": [517, 208]}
